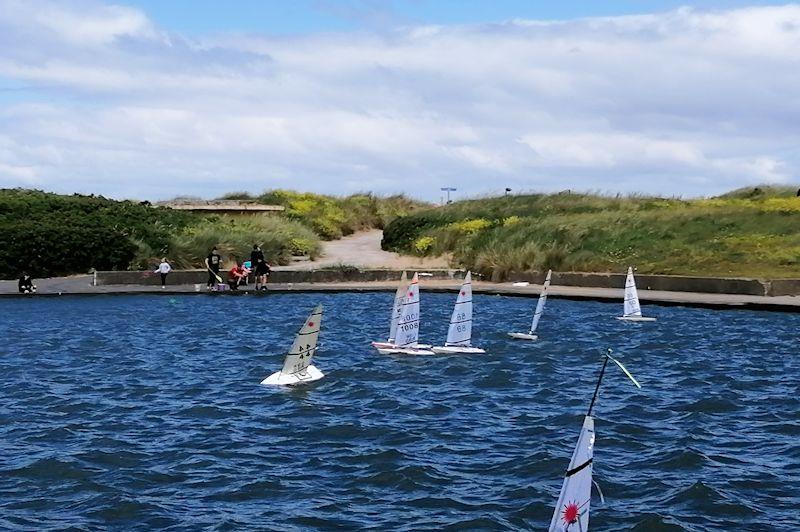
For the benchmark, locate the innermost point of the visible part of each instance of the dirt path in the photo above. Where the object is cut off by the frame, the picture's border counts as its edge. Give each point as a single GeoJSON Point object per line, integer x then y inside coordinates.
{"type": "Point", "coordinates": [364, 249]}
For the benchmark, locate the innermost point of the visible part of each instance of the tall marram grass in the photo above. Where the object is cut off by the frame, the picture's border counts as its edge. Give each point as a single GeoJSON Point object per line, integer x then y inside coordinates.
{"type": "Point", "coordinates": [737, 234]}
{"type": "Point", "coordinates": [234, 237]}
{"type": "Point", "coordinates": [332, 217]}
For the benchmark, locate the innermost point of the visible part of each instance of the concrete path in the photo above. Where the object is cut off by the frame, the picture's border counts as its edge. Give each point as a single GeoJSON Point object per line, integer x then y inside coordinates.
{"type": "Point", "coordinates": [363, 250]}
{"type": "Point", "coordinates": [81, 285]}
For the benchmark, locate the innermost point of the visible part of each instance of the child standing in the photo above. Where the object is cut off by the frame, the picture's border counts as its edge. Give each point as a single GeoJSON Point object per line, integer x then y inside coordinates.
{"type": "Point", "coordinates": [164, 268]}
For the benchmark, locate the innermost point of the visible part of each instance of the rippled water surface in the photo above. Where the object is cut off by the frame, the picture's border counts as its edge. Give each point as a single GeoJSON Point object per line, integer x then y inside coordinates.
{"type": "Point", "coordinates": [145, 412]}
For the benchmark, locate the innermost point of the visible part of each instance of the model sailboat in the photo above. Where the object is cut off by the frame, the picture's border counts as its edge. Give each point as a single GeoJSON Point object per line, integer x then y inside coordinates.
{"type": "Point", "coordinates": [397, 310]}
{"type": "Point", "coordinates": [531, 335]}
{"type": "Point", "coordinates": [407, 331]}
{"type": "Point", "coordinates": [572, 510]}
{"type": "Point", "coordinates": [459, 334]}
{"type": "Point", "coordinates": [297, 367]}
{"type": "Point", "coordinates": [631, 309]}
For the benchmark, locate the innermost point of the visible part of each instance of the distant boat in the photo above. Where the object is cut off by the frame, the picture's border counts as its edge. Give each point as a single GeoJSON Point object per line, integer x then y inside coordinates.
{"type": "Point", "coordinates": [459, 334]}
{"type": "Point", "coordinates": [530, 335]}
{"type": "Point", "coordinates": [397, 310]}
{"type": "Point", "coordinates": [297, 367]}
{"type": "Point", "coordinates": [572, 509]}
{"type": "Point", "coordinates": [631, 309]}
{"type": "Point", "coordinates": [407, 332]}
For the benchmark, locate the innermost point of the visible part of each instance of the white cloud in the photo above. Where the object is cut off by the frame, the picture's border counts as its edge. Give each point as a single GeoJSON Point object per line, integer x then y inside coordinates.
{"type": "Point", "coordinates": [683, 102]}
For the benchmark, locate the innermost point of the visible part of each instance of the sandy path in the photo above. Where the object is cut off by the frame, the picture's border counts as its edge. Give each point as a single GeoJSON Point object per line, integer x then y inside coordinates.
{"type": "Point", "coordinates": [364, 249]}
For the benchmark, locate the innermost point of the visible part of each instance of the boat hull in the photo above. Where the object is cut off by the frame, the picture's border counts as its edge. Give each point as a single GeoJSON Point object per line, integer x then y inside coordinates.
{"type": "Point", "coordinates": [457, 350]}
{"type": "Point", "coordinates": [523, 336]}
{"type": "Point", "coordinates": [394, 350]}
{"type": "Point", "coordinates": [389, 345]}
{"type": "Point", "coordinates": [635, 318]}
{"type": "Point", "coordinates": [278, 378]}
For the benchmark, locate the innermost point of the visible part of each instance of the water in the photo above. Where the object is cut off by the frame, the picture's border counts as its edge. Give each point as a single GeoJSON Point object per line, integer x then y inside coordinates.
{"type": "Point", "coordinates": [145, 412]}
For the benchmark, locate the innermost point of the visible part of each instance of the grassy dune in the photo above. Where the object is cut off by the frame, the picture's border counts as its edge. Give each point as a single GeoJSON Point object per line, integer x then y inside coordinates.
{"type": "Point", "coordinates": [752, 232]}
{"type": "Point", "coordinates": [332, 217]}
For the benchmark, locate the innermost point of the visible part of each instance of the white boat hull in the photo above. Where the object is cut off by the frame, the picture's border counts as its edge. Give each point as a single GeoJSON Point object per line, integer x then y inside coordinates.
{"type": "Point", "coordinates": [523, 336]}
{"type": "Point", "coordinates": [457, 350]}
{"type": "Point", "coordinates": [389, 345]}
{"type": "Point", "coordinates": [394, 350]}
{"type": "Point", "coordinates": [635, 318]}
{"type": "Point", "coordinates": [310, 374]}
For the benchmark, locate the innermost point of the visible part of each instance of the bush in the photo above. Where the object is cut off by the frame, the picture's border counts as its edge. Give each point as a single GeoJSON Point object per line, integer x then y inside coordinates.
{"type": "Point", "coordinates": [234, 237]}
{"type": "Point", "coordinates": [724, 236]}
{"type": "Point", "coordinates": [50, 234]}
{"type": "Point", "coordinates": [333, 217]}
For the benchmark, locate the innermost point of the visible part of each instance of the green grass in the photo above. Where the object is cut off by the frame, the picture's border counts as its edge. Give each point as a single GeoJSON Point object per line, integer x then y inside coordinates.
{"type": "Point", "coordinates": [332, 217]}
{"type": "Point", "coordinates": [743, 233]}
{"type": "Point", "coordinates": [234, 237]}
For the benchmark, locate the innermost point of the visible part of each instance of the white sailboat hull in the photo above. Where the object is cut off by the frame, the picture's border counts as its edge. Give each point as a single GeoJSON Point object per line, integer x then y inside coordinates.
{"type": "Point", "coordinates": [523, 336]}
{"type": "Point", "coordinates": [635, 318]}
{"type": "Point", "coordinates": [310, 374]}
{"type": "Point", "coordinates": [457, 350]}
{"type": "Point", "coordinates": [389, 345]}
{"type": "Point", "coordinates": [396, 350]}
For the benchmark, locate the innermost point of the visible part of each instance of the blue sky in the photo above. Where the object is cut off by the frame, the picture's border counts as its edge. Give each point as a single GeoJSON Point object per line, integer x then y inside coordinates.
{"type": "Point", "coordinates": [154, 99]}
{"type": "Point", "coordinates": [307, 16]}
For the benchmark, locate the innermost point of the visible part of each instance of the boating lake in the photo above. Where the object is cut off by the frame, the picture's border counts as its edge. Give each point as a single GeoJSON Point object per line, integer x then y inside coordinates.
{"type": "Point", "coordinates": [145, 412]}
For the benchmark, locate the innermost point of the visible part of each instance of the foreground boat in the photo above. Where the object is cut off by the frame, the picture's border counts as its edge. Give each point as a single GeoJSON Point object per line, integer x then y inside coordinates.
{"type": "Point", "coordinates": [632, 311]}
{"type": "Point", "coordinates": [572, 509]}
{"type": "Point", "coordinates": [297, 367]}
{"type": "Point", "coordinates": [459, 334]}
{"type": "Point", "coordinates": [407, 333]}
{"type": "Point", "coordinates": [531, 334]}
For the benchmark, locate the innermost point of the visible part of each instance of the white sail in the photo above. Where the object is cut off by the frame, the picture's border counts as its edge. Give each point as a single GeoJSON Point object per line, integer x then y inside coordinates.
{"type": "Point", "coordinates": [305, 344]}
{"type": "Point", "coordinates": [408, 324]}
{"type": "Point", "coordinates": [397, 308]}
{"type": "Point", "coordinates": [540, 305]}
{"type": "Point", "coordinates": [572, 511]}
{"type": "Point", "coordinates": [460, 331]}
{"type": "Point", "coordinates": [631, 303]}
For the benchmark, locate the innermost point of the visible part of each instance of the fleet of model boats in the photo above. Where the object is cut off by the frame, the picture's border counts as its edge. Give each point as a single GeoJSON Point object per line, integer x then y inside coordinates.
{"type": "Point", "coordinates": [572, 510]}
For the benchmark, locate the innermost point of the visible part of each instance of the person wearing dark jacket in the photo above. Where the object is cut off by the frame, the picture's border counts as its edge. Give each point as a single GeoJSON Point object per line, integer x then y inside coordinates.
{"type": "Point", "coordinates": [26, 285]}
{"type": "Point", "coordinates": [213, 262]}
{"type": "Point", "coordinates": [259, 266]}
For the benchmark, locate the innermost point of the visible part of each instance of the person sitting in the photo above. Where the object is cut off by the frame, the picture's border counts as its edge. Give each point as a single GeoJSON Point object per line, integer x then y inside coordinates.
{"type": "Point", "coordinates": [237, 276]}
{"type": "Point", "coordinates": [26, 285]}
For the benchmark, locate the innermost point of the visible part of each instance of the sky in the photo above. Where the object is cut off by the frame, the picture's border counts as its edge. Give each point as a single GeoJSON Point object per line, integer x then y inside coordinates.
{"type": "Point", "coordinates": [151, 100]}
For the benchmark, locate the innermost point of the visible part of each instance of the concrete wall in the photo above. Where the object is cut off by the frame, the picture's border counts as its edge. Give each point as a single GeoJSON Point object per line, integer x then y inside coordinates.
{"type": "Point", "coordinates": [669, 283]}
{"type": "Point", "coordinates": [784, 287]}
{"type": "Point", "coordinates": [177, 277]}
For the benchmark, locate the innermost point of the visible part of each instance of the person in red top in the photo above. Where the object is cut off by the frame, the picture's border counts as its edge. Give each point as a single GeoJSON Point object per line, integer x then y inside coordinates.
{"type": "Point", "coordinates": [237, 276]}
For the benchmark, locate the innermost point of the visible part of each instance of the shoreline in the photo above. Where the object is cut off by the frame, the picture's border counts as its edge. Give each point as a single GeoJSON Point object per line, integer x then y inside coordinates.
{"type": "Point", "coordinates": [81, 286]}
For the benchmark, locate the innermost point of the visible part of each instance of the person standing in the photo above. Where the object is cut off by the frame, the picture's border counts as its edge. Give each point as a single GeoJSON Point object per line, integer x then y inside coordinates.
{"type": "Point", "coordinates": [164, 268]}
{"type": "Point", "coordinates": [260, 266]}
{"type": "Point", "coordinates": [213, 262]}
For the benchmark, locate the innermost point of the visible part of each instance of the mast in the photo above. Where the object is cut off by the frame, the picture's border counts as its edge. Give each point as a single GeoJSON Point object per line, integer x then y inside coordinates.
{"type": "Point", "coordinates": [599, 380]}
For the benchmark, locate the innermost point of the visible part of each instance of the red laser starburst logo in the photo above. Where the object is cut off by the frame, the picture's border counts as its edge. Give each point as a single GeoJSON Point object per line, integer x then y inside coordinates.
{"type": "Point", "coordinates": [310, 323]}
{"type": "Point", "coordinates": [570, 514]}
